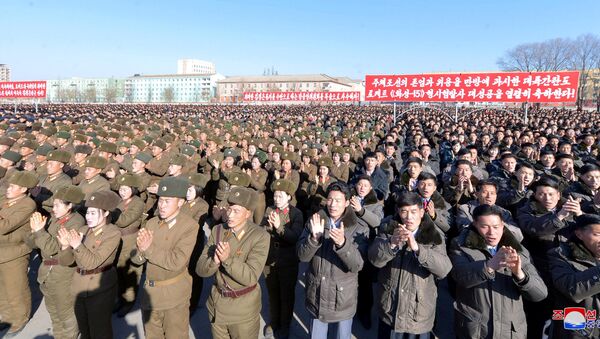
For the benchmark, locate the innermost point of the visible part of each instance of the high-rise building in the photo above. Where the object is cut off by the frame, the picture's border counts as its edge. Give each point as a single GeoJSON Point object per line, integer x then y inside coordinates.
{"type": "Point", "coordinates": [4, 72]}
{"type": "Point", "coordinates": [171, 88]}
{"type": "Point", "coordinates": [194, 66]}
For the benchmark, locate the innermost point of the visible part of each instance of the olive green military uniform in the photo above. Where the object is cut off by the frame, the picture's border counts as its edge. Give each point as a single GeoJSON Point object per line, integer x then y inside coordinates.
{"type": "Point", "coordinates": [130, 218]}
{"type": "Point", "coordinates": [48, 186]}
{"type": "Point", "coordinates": [318, 194]}
{"type": "Point", "coordinates": [95, 279]}
{"type": "Point", "coordinates": [231, 316]}
{"type": "Point", "coordinates": [15, 296]}
{"type": "Point", "coordinates": [158, 166]}
{"type": "Point", "coordinates": [95, 184]}
{"type": "Point", "coordinates": [168, 285]}
{"type": "Point", "coordinates": [281, 269]}
{"type": "Point", "coordinates": [53, 278]}
{"type": "Point", "coordinates": [76, 172]}
{"type": "Point", "coordinates": [258, 181]}
{"type": "Point", "coordinates": [341, 172]}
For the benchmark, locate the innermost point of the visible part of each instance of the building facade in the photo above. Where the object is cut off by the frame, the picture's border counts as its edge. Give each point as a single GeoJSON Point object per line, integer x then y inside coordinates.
{"type": "Point", "coordinates": [231, 89]}
{"type": "Point", "coordinates": [4, 72]}
{"type": "Point", "coordinates": [85, 90]}
{"type": "Point", "coordinates": [195, 66]}
{"type": "Point", "coordinates": [171, 88]}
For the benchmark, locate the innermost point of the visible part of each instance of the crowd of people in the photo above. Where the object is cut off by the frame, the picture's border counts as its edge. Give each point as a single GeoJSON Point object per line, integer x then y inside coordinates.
{"type": "Point", "coordinates": [499, 213]}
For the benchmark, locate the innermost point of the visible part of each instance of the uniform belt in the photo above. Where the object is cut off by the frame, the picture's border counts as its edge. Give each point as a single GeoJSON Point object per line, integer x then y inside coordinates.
{"type": "Point", "coordinates": [128, 231]}
{"type": "Point", "coordinates": [94, 271]}
{"type": "Point", "coordinates": [235, 293]}
{"type": "Point", "coordinates": [159, 283]}
{"type": "Point", "coordinates": [50, 262]}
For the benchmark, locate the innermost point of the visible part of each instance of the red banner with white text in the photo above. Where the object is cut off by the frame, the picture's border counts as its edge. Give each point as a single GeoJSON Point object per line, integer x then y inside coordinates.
{"type": "Point", "coordinates": [23, 89]}
{"type": "Point", "coordinates": [474, 87]}
{"type": "Point", "coordinates": [301, 96]}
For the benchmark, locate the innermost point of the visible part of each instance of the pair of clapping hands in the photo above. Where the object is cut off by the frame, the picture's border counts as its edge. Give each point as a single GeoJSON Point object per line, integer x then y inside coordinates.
{"type": "Point", "coordinates": [506, 257]}
{"type": "Point", "coordinates": [317, 227]}
{"type": "Point", "coordinates": [65, 237]}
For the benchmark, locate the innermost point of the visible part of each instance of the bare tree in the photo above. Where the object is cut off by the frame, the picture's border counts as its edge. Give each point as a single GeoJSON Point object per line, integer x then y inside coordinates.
{"type": "Point", "coordinates": [90, 94]}
{"type": "Point", "coordinates": [520, 58]}
{"type": "Point", "coordinates": [168, 94]}
{"type": "Point", "coordinates": [110, 93]}
{"type": "Point", "coordinates": [585, 55]}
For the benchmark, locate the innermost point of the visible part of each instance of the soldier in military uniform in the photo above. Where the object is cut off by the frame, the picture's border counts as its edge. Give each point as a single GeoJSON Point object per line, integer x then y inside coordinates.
{"type": "Point", "coordinates": [339, 170]}
{"type": "Point", "coordinates": [165, 246]}
{"type": "Point", "coordinates": [76, 167]}
{"type": "Point", "coordinates": [258, 181]}
{"type": "Point", "coordinates": [285, 224]}
{"type": "Point", "coordinates": [236, 253]}
{"type": "Point", "coordinates": [53, 180]}
{"type": "Point", "coordinates": [8, 161]}
{"type": "Point", "coordinates": [93, 252]}
{"type": "Point", "coordinates": [129, 215]}
{"type": "Point", "coordinates": [15, 211]}
{"type": "Point", "coordinates": [159, 165]}
{"type": "Point", "coordinates": [52, 277]}
{"type": "Point", "coordinates": [317, 188]}
{"type": "Point", "coordinates": [93, 181]}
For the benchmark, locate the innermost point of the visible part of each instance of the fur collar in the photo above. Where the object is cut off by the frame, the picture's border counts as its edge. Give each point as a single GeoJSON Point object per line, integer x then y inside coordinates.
{"type": "Point", "coordinates": [427, 234]}
{"type": "Point", "coordinates": [475, 241]}
{"type": "Point", "coordinates": [349, 218]}
{"type": "Point", "coordinates": [370, 198]}
{"type": "Point", "coordinates": [538, 209]}
{"type": "Point", "coordinates": [580, 252]}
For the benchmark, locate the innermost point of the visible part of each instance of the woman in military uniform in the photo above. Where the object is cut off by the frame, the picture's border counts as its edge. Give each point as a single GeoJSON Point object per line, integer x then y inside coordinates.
{"type": "Point", "coordinates": [94, 252]}
{"type": "Point", "coordinates": [53, 277]}
{"type": "Point", "coordinates": [317, 188]}
{"type": "Point", "coordinates": [129, 214]}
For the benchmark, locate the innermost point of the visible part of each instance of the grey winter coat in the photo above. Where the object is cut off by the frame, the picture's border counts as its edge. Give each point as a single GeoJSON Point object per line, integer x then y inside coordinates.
{"type": "Point", "coordinates": [406, 289]}
{"type": "Point", "coordinates": [490, 305]}
{"type": "Point", "coordinates": [332, 275]}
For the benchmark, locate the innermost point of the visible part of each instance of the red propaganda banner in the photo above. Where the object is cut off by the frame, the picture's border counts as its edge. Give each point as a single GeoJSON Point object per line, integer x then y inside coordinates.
{"type": "Point", "coordinates": [474, 87]}
{"type": "Point", "coordinates": [23, 89]}
{"type": "Point", "coordinates": [301, 96]}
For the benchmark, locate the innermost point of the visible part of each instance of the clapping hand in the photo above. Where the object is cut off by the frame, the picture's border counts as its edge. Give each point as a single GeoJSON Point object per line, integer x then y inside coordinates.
{"type": "Point", "coordinates": [222, 251]}
{"type": "Point", "coordinates": [144, 239]}
{"type": "Point", "coordinates": [75, 238]}
{"type": "Point", "coordinates": [317, 226]}
{"type": "Point", "coordinates": [355, 204]}
{"type": "Point", "coordinates": [63, 238]}
{"type": "Point", "coordinates": [337, 235]}
{"type": "Point", "coordinates": [37, 221]}
{"type": "Point", "coordinates": [407, 236]}
{"type": "Point", "coordinates": [274, 220]}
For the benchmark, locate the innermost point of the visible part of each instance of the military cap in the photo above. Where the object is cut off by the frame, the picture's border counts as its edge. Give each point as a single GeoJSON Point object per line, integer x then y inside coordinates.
{"type": "Point", "coordinates": [60, 156]}
{"type": "Point", "coordinates": [108, 147]}
{"type": "Point", "coordinates": [168, 138]}
{"type": "Point", "coordinates": [14, 135]}
{"type": "Point", "coordinates": [12, 156]}
{"type": "Point", "coordinates": [105, 200]}
{"type": "Point", "coordinates": [214, 139]}
{"type": "Point", "coordinates": [114, 135]}
{"type": "Point", "coordinates": [198, 179]}
{"type": "Point", "coordinates": [291, 156]}
{"type": "Point", "coordinates": [139, 143]}
{"type": "Point", "coordinates": [80, 137]}
{"type": "Point", "coordinates": [123, 144]}
{"type": "Point", "coordinates": [30, 144]}
{"type": "Point", "coordinates": [160, 144]}
{"type": "Point", "coordinates": [262, 156]}
{"type": "Point", "coordinates": [195, 143]}
{"type": "Point", "coordinates": [284, 185]}
{"type": "Point", "coordinates": [230, 152]}
{"type": "Point", "coordinates": [47, 132]}
{"type": "Point", "coordinates": [172, 187]}
{"type": "Point", "coordinates": [24, 179]}
{"type": "Point", "coordinates": [96, 162]}
{"type": "Point", "coordinates": [83, 149]}
{"type": "Point", "coordinates": [325, 161]}
{"type": "Point", "coordinates": [178, 159]}
{"type": "Point", "coordinates": [63, 135]}
{"type": "Point", "coordinates": [337, 149]}
{"type": "Point", "coordinates": [131, 180]}
{"type": "Point", "coordinates": [44, 149]}
{"type": "Point", "coordinates": [6, 141]}
{"type": "Point", "coordinates": [70, 193]}
{"type": "Point", "coordinates": [144, 157]}
{"type": "Point", "coordinates": [188, 150]}
{"type": "Point", "coordinates": [239, 179]}
{"type": "Point", "coordinates": [242, 196]}
{"type": "Point", "coordinates": [277, 149]}
{"type": "Point", "coordinates": [216, 156]}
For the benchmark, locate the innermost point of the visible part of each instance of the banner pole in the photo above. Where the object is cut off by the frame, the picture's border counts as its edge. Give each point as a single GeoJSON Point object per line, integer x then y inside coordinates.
{"type": "Point", "coordinates": [394, 113]}
{"type": "Point", "coordinates": [456, 115]}
{"type": "Point", "coordinates": [15, 106]}
{"type": "Point", "coordinates": [526, 118]}
{"type": "Point", "coordinates": [36, 106]}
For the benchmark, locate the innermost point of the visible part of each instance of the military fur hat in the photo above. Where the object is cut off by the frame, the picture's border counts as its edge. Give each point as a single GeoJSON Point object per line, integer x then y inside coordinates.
{"type": "Point", "coordinates": [242, 196]}
{"type": "Point", "coordinates": [12, 156]}
{"type": "Point", "coordinates": [44, 150]}
{"type": "Point", "coordinates": [144, 157]}
{"type": "Point", "coordinates": [198, 179]}
{"type": "Point", "coordinates": [96, 162]}
{"type": "Point", "coordinates": [291, 156]}
{"type": "Point", "coordinates": [60, 156]}
{"type": "Point", "coordinates": [108, 147]}
{"type": "Point", "coordinates": [160, 144]}
{"type": "Point", "coordinates": [63, 135]}
{"type": "Point", "coordinates": [239, 179]}
{"type": "Point", "coordinates": [83, 149]}
{"type": "Point", "coordinates": [230, 152]}
{"type": "Point", "coordinates": [70, 193]}
{"type": "Point", "coordinates": [104, 200]}
{"type": "Point", "coordinates": [24, 179]}
{"type": "Point", "coordinates": [178, 159]}
{"type": "Point", "coordinates": [326, 161]}
{"type": "Point", "coordinates": [172, 187]}
{"type": "Point", "coordinates": [284, 185]}
{"type": "Point", "coordinates": [131, 180]}
{"type": "Point", "coordinates": [31, 144]}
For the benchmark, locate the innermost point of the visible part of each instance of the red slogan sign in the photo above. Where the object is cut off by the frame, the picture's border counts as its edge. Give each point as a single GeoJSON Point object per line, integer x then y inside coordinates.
{"type": "Point", "coordinates": [23, 89]}
{"type": "Point", "coordinates": [301, 96]}
{"type": "Point", "coordinates": [475, 87]}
